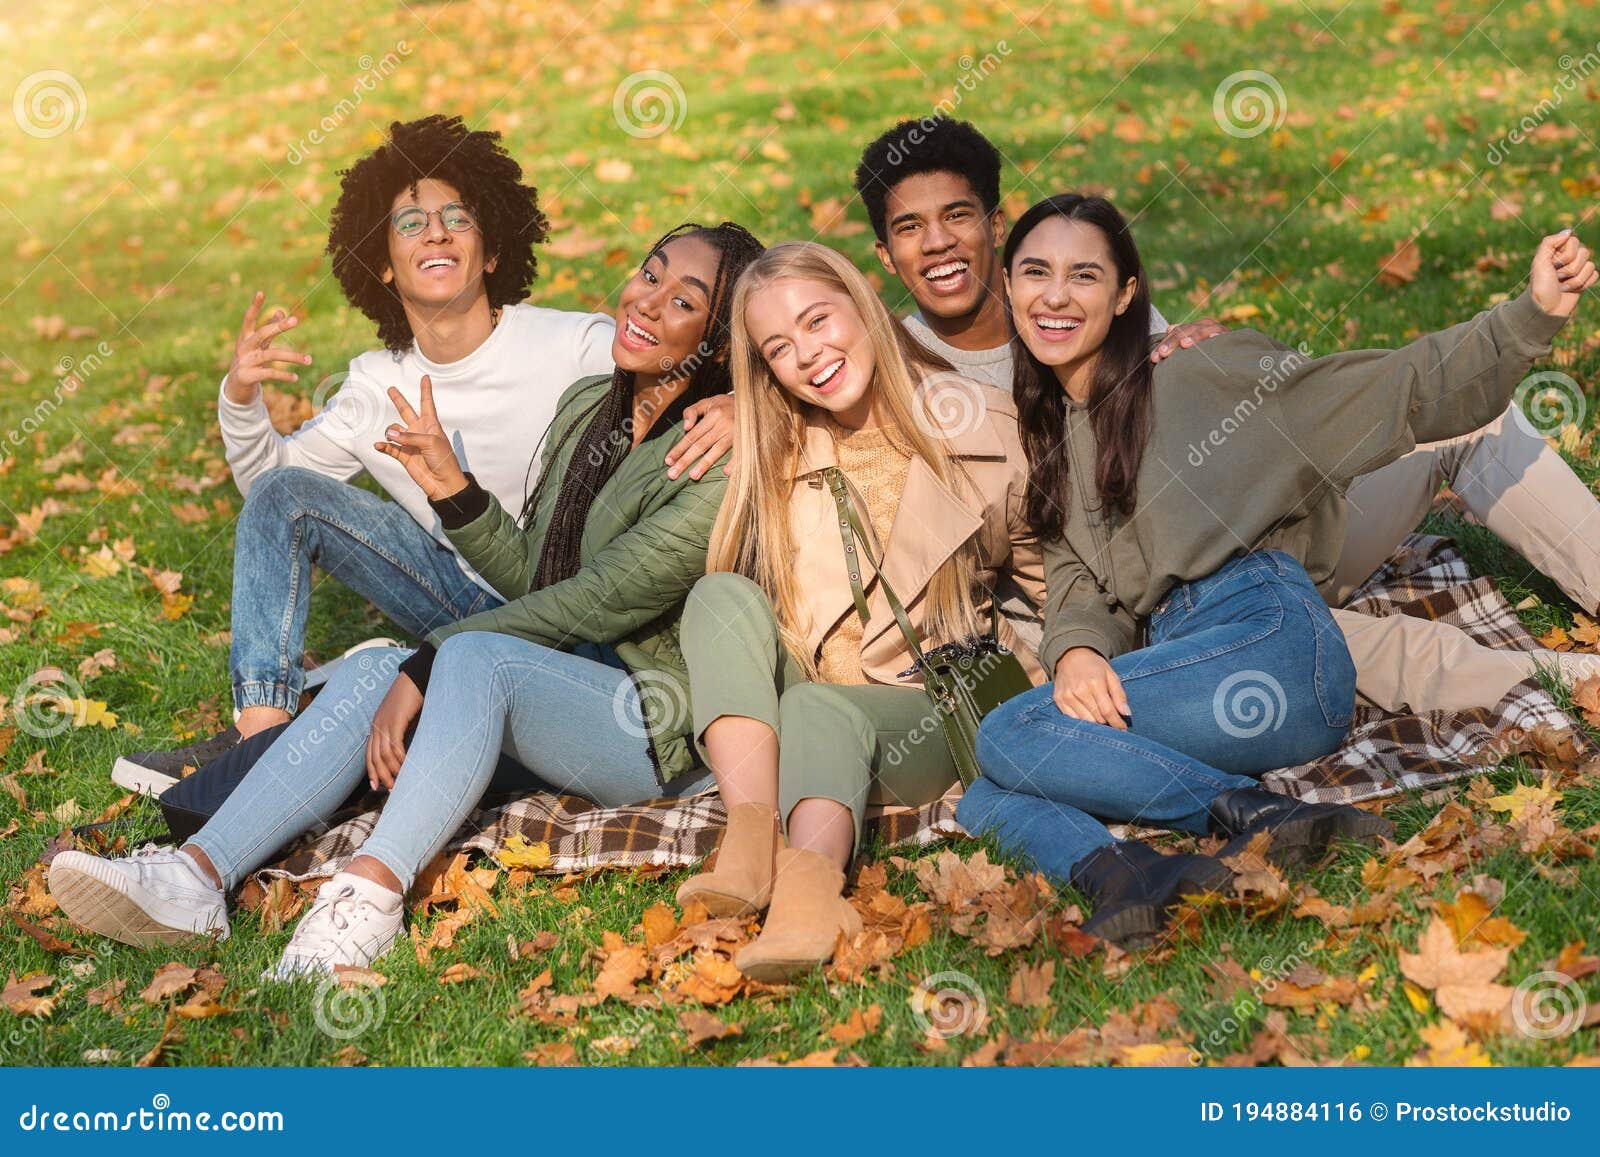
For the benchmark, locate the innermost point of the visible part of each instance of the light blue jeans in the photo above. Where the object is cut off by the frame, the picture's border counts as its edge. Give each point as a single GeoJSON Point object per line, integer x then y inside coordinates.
{"type": "Point", "coordinates": [294, 518]}
{"type": "Point", "coordinates": [571, 719]}
{"type": "Point", "coordinates": [1245, 672]}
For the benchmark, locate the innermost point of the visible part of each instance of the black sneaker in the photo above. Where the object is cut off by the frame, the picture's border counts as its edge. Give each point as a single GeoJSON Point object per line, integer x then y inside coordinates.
{"type": "Point", "coordinates": [152, 772]}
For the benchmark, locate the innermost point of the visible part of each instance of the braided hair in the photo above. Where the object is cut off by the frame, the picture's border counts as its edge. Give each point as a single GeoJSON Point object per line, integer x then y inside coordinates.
{"type": "Point", "coordinates": [607, 436]}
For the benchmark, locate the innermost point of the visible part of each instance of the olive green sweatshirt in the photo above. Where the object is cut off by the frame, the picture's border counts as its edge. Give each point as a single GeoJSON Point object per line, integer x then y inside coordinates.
{"type": "Point", "coordinates": [1252, 445]}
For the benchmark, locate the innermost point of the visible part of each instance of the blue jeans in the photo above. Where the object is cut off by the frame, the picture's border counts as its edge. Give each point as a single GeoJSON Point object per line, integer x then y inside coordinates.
{"type": "Point", "coordinates": [294, 518]}
{"type": "Point", "coordinates": [1245, 672]}
{"type": "Point", "coordinates": [570, 719]}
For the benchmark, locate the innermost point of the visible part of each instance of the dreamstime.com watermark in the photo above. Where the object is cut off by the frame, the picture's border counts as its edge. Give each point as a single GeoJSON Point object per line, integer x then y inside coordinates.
{"type": "Point", "coordinates": [373, 72]}
{"type": "Point", "coordinates": [372, 677]}
{"type": "Point", "coordinates": [1572, 71]}
{"type": "Point", "coordinates": [974, 71]}
{"type": "Point", "coordinates": [1275, 370]}
{"type": "Point", "coordinates": [160, 1117]}
{"type": "Point", "coordinates": [71, 376]}
{"type": "Point", "coordinates": [1268, 973]}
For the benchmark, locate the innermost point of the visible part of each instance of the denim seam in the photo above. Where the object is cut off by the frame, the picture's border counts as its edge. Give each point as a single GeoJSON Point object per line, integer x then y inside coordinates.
{"type": "Point", "coordinates": [1086, 733]}
{"type": "Point", "coordinates": [1318, 682]}
{"type": "Point", "coordinates": [1215, 652]}
{"type": "Point", "coordinates": [351, 532]}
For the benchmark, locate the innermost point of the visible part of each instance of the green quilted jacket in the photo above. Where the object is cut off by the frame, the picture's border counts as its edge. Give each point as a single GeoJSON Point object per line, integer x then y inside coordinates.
{"type": "Point", "coordinates": [643, 547]}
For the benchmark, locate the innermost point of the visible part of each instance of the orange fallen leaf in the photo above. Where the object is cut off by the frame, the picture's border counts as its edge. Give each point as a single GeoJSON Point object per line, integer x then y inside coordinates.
{"type": "Point", "coordinates": [860, 1024]}
{"type": "Point", "coordinates": [1400, 266]}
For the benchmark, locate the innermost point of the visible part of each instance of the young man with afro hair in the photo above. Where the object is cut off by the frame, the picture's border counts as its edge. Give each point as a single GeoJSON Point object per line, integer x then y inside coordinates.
{"type": "Point", "coordinates": [433, 239]}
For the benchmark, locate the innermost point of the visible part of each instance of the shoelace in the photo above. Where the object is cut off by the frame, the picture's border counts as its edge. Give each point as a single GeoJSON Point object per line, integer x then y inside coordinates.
{"type": "Point", "coordinates": [337, 905]}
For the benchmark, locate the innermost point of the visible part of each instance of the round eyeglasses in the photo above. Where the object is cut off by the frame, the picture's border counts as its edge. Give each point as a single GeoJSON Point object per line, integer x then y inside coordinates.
{"type": "Point", "coordinates": [412, 221]}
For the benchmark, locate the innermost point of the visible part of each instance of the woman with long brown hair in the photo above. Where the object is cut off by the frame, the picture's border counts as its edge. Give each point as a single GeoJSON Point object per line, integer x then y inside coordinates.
{"type": "Point", "coordinates": [1188, 513]}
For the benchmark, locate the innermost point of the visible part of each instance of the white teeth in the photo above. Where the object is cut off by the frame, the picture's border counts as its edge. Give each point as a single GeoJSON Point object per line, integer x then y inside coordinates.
{"type": "Point", "coordinates": [635, 330]}
{"type": "Point", "coordinates": [826, 375]}
{"type": "Point", "coordinates": [433, 261]}
{"type": "Point", "coordinates": [1059, 323]}
{"type": "Point", "coordinates": [949, 269]}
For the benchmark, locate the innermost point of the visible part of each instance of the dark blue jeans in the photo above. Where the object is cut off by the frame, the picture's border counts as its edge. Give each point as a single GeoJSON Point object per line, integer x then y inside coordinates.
{"type": "Point", "coordinates": [295, 518]}
{"type": "Point", "coordinates": [1245, 672]}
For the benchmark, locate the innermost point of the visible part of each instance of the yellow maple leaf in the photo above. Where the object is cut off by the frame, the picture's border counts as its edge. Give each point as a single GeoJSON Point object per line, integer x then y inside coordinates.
{"type": "Point", "coordinates": [517, 852]}
{"type": "Point", "coordinates": [1520, 798]}
{"type": "Point", "coordinates": [102, 564]}
{"type": "Point", "coordinates": [1446, 1045]}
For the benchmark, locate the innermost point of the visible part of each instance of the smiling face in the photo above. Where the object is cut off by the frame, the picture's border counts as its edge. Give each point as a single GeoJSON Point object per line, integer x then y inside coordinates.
{"type": "Point", "coordinates": [1064, 293]}
{"type": "Point", "coordinates": [437, 268]}
{"type": "Point", "coordinates": [816, 344]}
{"type": "Point", "coordinates": [941, 244]}
{"type": "Point", "coordinates": [662, 311]}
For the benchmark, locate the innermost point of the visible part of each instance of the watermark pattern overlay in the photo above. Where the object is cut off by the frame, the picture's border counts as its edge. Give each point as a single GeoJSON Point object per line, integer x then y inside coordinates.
{"type": "Point", "coordinates": [1249, 703]}
{"type": "Point", "coordinates": [373, 72]}
{"type": "Point", "coordinates": [49, 103]}
{"type": "Point", "coordinates": [1573, 71]}
{"type": "Point", "coordinates": [1552, 401]}
{"type": "Point", "coordinates": [71, 376]}
{"type": "Point", "coordinates": [649, 103]}
{"type": "Point", "coordinates": [1548, 1006]}
{"type": "Point", "coordinates": [345, 1009]}
{"type": "Point", "coordinates": [48, 702]}
{"type": "Point", "coordinates": [1249, 103]}
{"type": "Point", "coordinates": [951, 405]}
{"type": "Point", "coordinates": [649, 695]}
{"type": "Point", "coordinates": [949, 1004]}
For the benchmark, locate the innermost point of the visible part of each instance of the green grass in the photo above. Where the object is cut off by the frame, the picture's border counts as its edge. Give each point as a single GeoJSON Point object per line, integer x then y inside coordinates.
{"type": "Point", "coordinates": [152, 222]}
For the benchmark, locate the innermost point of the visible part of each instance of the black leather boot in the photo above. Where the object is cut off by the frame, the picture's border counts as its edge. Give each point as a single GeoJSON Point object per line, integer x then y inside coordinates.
{"type": "Point", "coordinates": [1133, 887]}
{"type": "Point", "coordinates": [1300, 831]}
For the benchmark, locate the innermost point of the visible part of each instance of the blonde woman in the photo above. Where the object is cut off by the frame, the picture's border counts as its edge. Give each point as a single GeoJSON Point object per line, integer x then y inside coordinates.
{"type": "Point", "coordinates": [805, 712]}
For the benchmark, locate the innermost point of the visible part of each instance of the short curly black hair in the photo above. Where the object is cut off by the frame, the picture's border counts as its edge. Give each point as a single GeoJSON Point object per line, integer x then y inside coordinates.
{"type": "Point", "coordinates": [933, 144]}
{"type": "Point", "coordinates": [489, 182]}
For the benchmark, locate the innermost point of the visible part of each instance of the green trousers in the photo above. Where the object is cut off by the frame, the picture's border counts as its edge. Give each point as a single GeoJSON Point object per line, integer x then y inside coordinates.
{"type": "Point", "coordinates": [853, 744]}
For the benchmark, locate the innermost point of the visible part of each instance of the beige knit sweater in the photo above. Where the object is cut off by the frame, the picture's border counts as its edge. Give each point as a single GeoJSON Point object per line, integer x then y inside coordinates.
{"type": "Point", "coordinates": [876, 465]}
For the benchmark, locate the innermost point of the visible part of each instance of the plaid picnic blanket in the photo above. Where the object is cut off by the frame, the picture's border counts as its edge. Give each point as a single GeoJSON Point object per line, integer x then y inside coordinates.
{"type": "Point", "coordinates": [1383, 755]}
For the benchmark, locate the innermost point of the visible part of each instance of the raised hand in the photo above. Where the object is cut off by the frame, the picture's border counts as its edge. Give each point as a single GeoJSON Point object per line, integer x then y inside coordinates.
{"type": "Point", "coordinates": [1562, 269]}
{"type": "Point", "coordinates": [1185, 335]}
{"type": "Point", "coordinates": [254, 359]}
{"type": "Point", "coordinates": [418, 442]}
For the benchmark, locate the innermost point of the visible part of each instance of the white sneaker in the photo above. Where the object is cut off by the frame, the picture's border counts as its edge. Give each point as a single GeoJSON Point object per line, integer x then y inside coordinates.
{"type": "Point", "coordinates": [317, 676]}
{"type": "Point", "coordinates": [353, 921]}
{"type": "Point", "coordinates": [155, 896]}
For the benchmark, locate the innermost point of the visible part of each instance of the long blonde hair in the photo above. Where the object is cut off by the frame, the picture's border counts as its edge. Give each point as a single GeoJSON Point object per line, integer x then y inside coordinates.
{"type": "Point", "coordinates": [752, 532]}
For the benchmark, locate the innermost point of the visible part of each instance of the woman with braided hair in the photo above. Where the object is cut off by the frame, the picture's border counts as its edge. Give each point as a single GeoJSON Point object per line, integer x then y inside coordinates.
{"type": "Point", "coordinates": [578, 677]}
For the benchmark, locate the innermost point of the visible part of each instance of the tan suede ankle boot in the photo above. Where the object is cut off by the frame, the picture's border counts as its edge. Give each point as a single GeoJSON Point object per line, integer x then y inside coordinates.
{"type": "Point", "coordinates": [741, 883]}
{"type": "Point", "coordinates": [808, 913]}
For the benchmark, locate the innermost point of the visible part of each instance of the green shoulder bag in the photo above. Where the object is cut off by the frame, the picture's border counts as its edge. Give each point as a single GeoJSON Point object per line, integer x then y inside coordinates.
{"type": "Point", "coordinates": [963, 680]}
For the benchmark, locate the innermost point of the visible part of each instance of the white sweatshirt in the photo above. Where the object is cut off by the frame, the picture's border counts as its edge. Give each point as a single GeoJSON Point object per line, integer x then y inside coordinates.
{"type": "Point", "coordinates": [991, 366]}
{"type": "Point", "coordinates": [495, 403]}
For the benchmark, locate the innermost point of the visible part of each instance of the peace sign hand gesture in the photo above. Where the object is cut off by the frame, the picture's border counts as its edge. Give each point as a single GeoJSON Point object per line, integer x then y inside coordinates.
{"type": "Point", "coordinates": [254, 358]}
{"type": "Point", "coordinates": [418, 442]}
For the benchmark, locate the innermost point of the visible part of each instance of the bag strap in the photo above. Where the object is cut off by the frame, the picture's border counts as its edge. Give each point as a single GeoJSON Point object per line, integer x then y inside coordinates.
{"type": "Point", "coordinates": [851, 531]}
